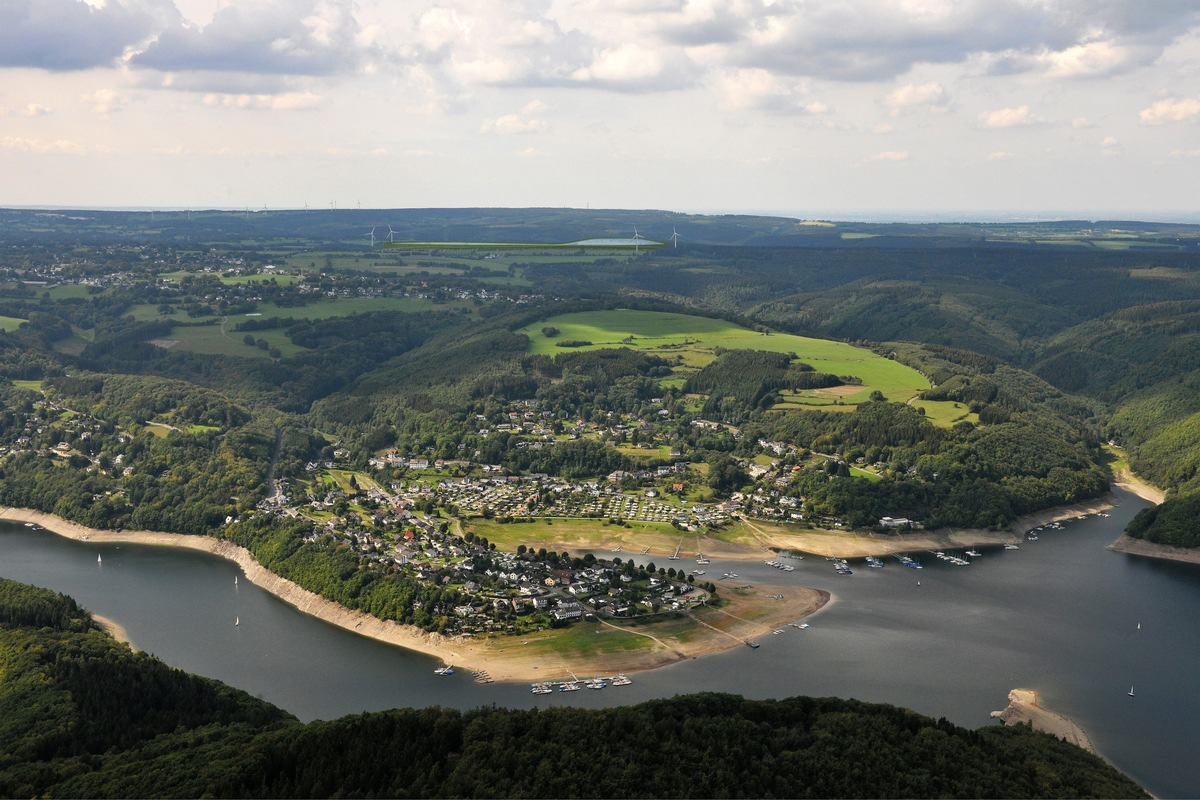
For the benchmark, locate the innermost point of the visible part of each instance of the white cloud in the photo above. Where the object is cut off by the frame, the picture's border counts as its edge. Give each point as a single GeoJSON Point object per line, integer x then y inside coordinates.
{"type": "Point", "coordinates": [1186, 153]}
{"type": "Point", "coordinates": [757, 89]}
{"type": "Point", "coordinates": [931, 96]}
{"type": "Point", "coordinates": [1162, 112]}
{"type": "Point", "coordinates": [999, 155]}
{"type": "Point", "coordinates": [275, 37]}
{"type": "Point", "coordinates": [634, 67]}
{"type": "Point", "coordinates": [103, 101]}
{"type": "Point", "coordinates": [1090, 60]}
{"type": "Point", "coordinates": [520, 122]}
{"type": "Point", "coordinates": [1110, 146]}
{"type": "Point", "coordinates": [890, 155]}
{"type": "Point", "coordinates": [28, 110]}
{"type": "Point", "coordinates": [290, 101]}
{"type": "Point", "coordinates": [42, 147]}
{"type": "Point", "coordinates": [1007, 117]}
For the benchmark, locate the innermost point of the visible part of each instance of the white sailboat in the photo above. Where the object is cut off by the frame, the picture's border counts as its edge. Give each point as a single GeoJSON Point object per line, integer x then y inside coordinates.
{"type": "Point", "coordinates": [99, 560]}
{"type": "Point", "coordinates": [237, 621]}
{"type": "Point", "coordinates": [1131, 691]}
{"type": "Point", "coordinates": [235, 580]}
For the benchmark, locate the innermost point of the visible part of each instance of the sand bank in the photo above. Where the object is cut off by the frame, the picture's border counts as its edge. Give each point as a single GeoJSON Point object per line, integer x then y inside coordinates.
{"type": "Point", "coordinates": [751, 612]}
{"type": "Point", "coordinates": [114, 629]}
{"type": "Point", "coordinates": [846, 544]}
{"type": "Point", "coordinates": [1139, 547]}
{"type": "Point", "coordinates": [1023, 707]}
{"type": "Point", "coordinates": [1131, 483]}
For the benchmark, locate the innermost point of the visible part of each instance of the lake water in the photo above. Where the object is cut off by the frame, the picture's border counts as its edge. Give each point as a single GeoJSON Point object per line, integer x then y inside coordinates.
{"type": "Point", "coordinates": [1060, 615]}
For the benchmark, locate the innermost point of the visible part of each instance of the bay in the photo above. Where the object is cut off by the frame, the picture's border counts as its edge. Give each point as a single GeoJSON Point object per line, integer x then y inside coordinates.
{"type": "Point", "coordinates": [1060, 615]}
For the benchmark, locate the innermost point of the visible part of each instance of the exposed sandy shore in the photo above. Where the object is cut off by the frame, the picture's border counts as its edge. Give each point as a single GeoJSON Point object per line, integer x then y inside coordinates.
{"type": "Point", "coordinates": [1138, 547]}
{"type": "Point", "coordinates": [845, 544]}
{"type": "Point", "coordinates": [114, 629]}
{"type": "Point", "coordinates": [1126, 480]}
{"type": "Point", "coordinates": [1023, 707]}
{"type": "Point", "coordinates": [750, 613]}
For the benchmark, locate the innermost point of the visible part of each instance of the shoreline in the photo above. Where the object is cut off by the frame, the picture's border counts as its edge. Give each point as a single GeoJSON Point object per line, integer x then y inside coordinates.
{"type": "Point", "coordinates": [1023, 707]}
{"type": "Point", "coordinates": [844, 544]}
{"type": "Point", "coordinates": [114, 629]}
{"type": "Point", "coordinates": [753, 617]}
{"type": "Point", "coordinates": [1139, 547]}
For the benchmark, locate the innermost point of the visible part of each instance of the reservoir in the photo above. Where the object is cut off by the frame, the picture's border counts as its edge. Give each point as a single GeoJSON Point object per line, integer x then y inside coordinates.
{"type": "Point", "coordinates": [1061, 615]}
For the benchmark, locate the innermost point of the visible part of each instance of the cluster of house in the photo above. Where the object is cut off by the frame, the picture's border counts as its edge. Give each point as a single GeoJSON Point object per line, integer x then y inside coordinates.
{"type": "Point", "coordinates": [499, 587]}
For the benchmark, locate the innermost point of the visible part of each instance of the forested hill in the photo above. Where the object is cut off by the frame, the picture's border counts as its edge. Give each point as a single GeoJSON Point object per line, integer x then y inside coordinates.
{"type": "Point", "coordinates": [83, 716]}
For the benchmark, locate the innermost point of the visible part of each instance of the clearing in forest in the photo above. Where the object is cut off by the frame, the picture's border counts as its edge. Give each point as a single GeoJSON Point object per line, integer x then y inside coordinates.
{"type": "Point", "coordinates": [695, 341]}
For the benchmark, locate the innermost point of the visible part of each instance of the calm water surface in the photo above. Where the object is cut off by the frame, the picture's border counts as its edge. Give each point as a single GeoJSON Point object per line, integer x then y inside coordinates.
{"type": "Point", "coordinates": [1060, 615]}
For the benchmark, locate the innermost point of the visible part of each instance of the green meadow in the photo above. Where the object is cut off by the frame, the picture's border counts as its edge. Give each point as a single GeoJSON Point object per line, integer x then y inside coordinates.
{"type": "Point", "coordinates": [9, 324]}
{"type": "Point", "coordinates": [696, 339]}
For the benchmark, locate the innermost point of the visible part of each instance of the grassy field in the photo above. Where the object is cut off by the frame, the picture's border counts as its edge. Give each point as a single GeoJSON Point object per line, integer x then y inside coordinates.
{"type": "Point", "coordinates": [696, 338]}
{"type": "Point", "coordinates": [9, 324]}
{"type": "Point", "coordinates": [70, 291]}
{"type": "Point", "coordinates": [31, 386]}
{"type": "Point", "coordinates": [578, 534]}
{"type": "Point", "coordinates": [581, 640]}
{"type": "Point", "coordinates": [209, 340]}
{"type": "Point", "coordinates": [944, 413]}
{"type": "Point", "coordinates": [261, 277]}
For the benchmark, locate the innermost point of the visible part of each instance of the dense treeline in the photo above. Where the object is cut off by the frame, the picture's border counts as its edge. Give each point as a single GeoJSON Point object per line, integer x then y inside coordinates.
{"type": "Point", "coordinates": [739, 381]}
{"type": "Point", "coordinates": [136, 399]}
{"type": "Point", "coordinates": [333, 570]}
{"type": "Point", "coordinates": [968, 477]}
{"type": "Point", "coordinates": [1173, 523]}
{"type": "Point", "coordinates": [83, 716]}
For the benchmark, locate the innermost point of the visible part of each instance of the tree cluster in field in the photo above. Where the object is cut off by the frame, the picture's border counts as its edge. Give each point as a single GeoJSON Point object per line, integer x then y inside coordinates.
{"type": "Point", "coordinates": [83, 716]}
{"type": "Point", "coordinates": [740, 381]}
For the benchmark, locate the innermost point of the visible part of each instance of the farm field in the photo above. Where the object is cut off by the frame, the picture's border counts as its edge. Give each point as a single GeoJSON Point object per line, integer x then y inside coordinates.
{"type": "Point", "coordinates": [209, 340]}
{"type": "Point", "coordinates": [945, 413]}
{"type": "Point", "coordinates": [696, 339]}
{"type": "Point", "coordinates": [320, 309]}
{"type": "Point", "coordinates": [10, 323]}
{"type": "Point", "coordinates": [230, 280]}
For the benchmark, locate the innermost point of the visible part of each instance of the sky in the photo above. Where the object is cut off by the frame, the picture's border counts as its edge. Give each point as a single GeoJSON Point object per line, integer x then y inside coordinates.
{"type": "Point", "coordinates": [951, 109]}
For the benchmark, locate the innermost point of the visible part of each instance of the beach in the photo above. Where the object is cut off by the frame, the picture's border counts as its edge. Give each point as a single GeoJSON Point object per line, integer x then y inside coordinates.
{"type": "Point", "coordinates": [1023, 707]}
{"type": "Point", "coordinates": [750, 612]}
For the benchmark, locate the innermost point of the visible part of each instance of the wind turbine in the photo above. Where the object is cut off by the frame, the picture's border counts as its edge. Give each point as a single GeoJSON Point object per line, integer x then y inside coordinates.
{"type": "Point", "coordinates": [372, 235]}
{"type": "Point", "coordinates": [391, 234]}
{"type": "Point", "coordinates": [636, 236]}
{"type": "Point", "coordinates": [674, 237]}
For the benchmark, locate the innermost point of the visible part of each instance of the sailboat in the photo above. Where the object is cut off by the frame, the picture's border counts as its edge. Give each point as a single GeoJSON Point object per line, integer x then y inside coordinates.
{"type": "Point", "coordinates": [99, 560]}
{"type": "Point", "coordinates": [1131, 691]}
{"type": "Point", "coordinates": [235, 580]}
{"type": "Point", "coordinates": [237, 621]}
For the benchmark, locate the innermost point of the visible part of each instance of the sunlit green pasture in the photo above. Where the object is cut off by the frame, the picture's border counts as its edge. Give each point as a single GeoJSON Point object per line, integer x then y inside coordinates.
{"type": "Point", "coordinates": [9, 324]}
{"type": "Point", "coordinates": [260, 277]}
{"type": "Point", "coordinates": [320, 309]}
{"type": "Point", "coordinates": [696, 338]}
{"type": "Point", "coordinates": [577, 534]}
{"type": "Point", "coordinates": [944, 413]}
{"type": "Point", "coordinates": [559, 648]}
{"type": "Point", "coordinates": [69, 291]}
